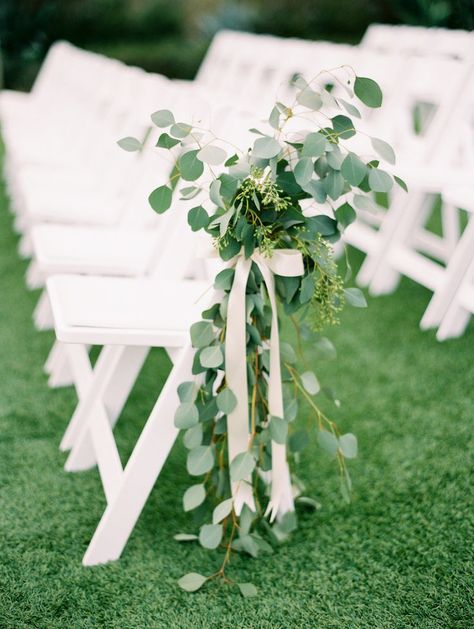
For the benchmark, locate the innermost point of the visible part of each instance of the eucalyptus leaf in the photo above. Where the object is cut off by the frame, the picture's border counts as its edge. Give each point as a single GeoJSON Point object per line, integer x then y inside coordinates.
{"type": "Point", "coordinates": [368, 91]}
{"type": "Point", "coordinates": [194, 496]}
{"type": "Point", "coordinates": [192, 582]}
{"type": "Point", "coordinates": [130, 144]}
{"type": "Point", "coordinates": [193, 437]}
{"type": "Point", "coordinates": [198, 218]}
{"type": "Point", "coordinates": [180, 130]}
{"type": "Point", "coordinates": [210, 535]}
{"type": "Point", "coordinates": [187, 391]}
{"type": "Point", "coordinates": [222, 510]}
{"type": "Point", "coordinates": [345, 214]}
{"type": "Point", "coordinates": [355, 297]}
{"type": "Point", "coordinates": [348, 445]}
{"type": "Point", "coordinates": [314, 145]}
{"type": "Point", "coordinates": [328, 442]}
{"type": "Point", "coordinates": [190, 167]}
{"type": "Point", "coordinates": [211, 357]}
{"type": "Point", "coordinates": [162, 118]}
{"type": "Point", "coordinates": [186, 415]}
{"type": "Point", "coordinates": [343, 126]}
{"type": "Point", "coordinates": [185, 537]}
{"type": "Point", "coordinates": [266, 148]}
{"type": "Point", "coordinates": [248, 590]}
{"type": "Point", "coordinates": [224, 279]}
{"type": "Point", "coordinates": [212, 155]}
{"type": "Point", "coordinates": [384, 149]}
{"type": "Point", "coordinates": [226, 401]}
{"type": "Point", "coordinates": [160, 199]}
{"type": "Point", "coordinates": [165, 141]}
{"type": "Point", "coordinates": [303, 170]}
{"type": "Point", "coordinates": [242, 466]}
{"type": "Point", "coordinates": [353, 169]}
{"type": "Point", "coordinates": [200, 460]}
{"type": "Point", "coordinates": [310, 382]}
{"type": "Point", "coordinates": [298, 441]}
{"type": "Point", "coordinates": [379, 180]}
{"type": "Point", "coordinates": [278, 430]}
{"type": "Point", "coordinates": [309, 98]}
{"type": "Point", "coordinates": [202, 334]}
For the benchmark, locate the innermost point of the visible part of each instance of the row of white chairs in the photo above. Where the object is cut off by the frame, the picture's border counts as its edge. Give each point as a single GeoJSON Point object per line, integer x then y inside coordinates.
{"type": "Point", "coordinates": [80, 204]}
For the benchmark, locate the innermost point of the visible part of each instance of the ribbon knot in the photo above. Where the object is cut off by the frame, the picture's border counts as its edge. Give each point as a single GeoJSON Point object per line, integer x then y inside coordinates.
{"type": "Point", "coordinates": [288, 263]}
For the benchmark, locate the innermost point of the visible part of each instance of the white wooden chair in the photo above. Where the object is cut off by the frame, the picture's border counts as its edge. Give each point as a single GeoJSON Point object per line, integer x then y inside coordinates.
{"type": "Point", "coordinates": [127, 317]}
{"type": "Point", "coordinates": [420, 40]}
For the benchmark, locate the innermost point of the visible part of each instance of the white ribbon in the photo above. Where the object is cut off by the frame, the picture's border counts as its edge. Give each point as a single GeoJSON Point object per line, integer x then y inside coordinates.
{"type": "Point", "coordinates": [288, 263]}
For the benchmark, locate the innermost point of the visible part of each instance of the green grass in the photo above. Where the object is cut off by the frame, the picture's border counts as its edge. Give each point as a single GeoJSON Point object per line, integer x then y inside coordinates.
{"type": "Point", "coordinates": [398, 557]}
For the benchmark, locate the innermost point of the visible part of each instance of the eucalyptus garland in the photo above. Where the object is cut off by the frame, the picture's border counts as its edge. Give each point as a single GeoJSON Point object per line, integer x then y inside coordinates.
{"type": "Point", "coordinates": [262, 202]}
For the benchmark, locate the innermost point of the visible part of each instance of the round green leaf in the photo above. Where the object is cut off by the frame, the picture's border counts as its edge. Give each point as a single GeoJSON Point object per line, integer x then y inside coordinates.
{"type": "Point", "coordinates": [368, 91]}
{"type": "Point", "coordinates": [310, 382]}
{"type": "Point", "coordinates": [290, 409]}
{"type": "Point", "coordinates": [222, 510]}
{"type": "Point", "coordinates": [192, 582]}
{"type": "Point", "coordinates": [309, 98]}
{"type": "Point", "coordinates": [348, 445]}
{"type": "Point", "coordinates": [242, 466]}
{"type": "Point", "coordinates": [165, 141]}
{"type": "Point", "coordinates": [328, 442]}
{"type": "Point", "coordinates": [224, 279]}
{"type": "Point", "coordinates": [186, 415]}
{"type": "Point", "coordinates": [189, 192]}
{"type": "Point", "coordinates": [226, 401]}
{"type": "Point", "coordinates": [202, 334]}
{"type": "Point", "coordinates": [193, 437]}
{"type": "Point", "coordinates": [314, 145]}
{"type": "Point", "coordinates": [211, 357]}
{"type": "Point", "coordinates": [278, 430]}
{"type": "Point", "coordinates": [353, 169]}
{"type": "Point", "coordinates": [364, 202]}
{"type": "Point", "coordinates": [287, 353]}
{"type": "Point", "coordinates": [162, 118]}
{"type": "Point", "coordinates": [198, 218]}
{"type": "Point", "coordinates": [193, 497]}
{"type": "Point", "coordinates": [200, 460]}
{"type": "Point", "coordinates": [160, 199]}
{"type": "Point", "coordinates": [266, 148]}
{"type": "Point", "coordinates": [130, 144]}
{"type": "Point", "coordinates": [210, 535]}
{"type": "Point", "coordinates": [187, 391]}
{"type": "Point", "coordinates": [334, 184]}
{"type": "Point", "coordinates": [248, 590]}
{"type": "Point", "coordinates": [212, 155]}
{"type": "Point", "coordinates": [190, 167]}
{"type": "Point", "coordinates": [298, 441]}
{"type": "Point", "coordinates": [401, 183]}
{"type": "Point", "coordinates": [355, 297]}
{"type": "Point", "coordinates": [343, 126]}
{"type": "Point", "coordinates": [303, 170]}
{"type": "Point", "coordinates": [180, 130]}
{"type": "Point", "coordinates": [345, 214]}
{"type": "Point", "coordinates": [384, 149]}
{"type": "Point", "coordinates": [379, 180]}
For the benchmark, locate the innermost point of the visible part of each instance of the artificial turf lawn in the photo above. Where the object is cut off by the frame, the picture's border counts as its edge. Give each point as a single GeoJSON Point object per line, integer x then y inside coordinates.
{"type": "Point", "coordinates": [398, 557]}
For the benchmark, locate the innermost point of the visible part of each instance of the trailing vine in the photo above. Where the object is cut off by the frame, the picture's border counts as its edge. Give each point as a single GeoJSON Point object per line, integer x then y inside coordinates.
{"type": "Point", "coordinates": [262, 202]}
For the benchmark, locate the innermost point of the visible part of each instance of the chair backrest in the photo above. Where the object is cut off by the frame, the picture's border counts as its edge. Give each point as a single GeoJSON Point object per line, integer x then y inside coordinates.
{"type": "Point", "coordinates": [420, 40]}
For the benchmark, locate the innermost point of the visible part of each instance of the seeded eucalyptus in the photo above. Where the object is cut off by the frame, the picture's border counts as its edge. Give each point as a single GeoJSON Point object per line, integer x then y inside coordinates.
{"type": "Point", "coordinates": [263, 202]}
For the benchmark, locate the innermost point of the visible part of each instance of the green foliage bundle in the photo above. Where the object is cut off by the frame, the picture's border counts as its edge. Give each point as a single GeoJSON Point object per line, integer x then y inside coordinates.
{"type": "Point", "coordinates": [258, 206]}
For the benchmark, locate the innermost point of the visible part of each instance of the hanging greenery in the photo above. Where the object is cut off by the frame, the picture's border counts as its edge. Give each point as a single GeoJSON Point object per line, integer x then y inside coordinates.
{"type": "Point", "coordinates": [238, 415]}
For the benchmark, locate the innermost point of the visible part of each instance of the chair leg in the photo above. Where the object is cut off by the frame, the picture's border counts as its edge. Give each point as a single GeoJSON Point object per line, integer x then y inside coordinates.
{"type": "Point", "coordinates": [454, 322]}
{"type": "Point", "coordinates": [141, 471]}
{"type": "Point", "coordinates": [111, 383]}
{"type": "Point", "coordinates": [400, 209]}
{"type": "Point", "coordinates": [88, 383]}
{"type": "Point", "coordinates": [455, 271]}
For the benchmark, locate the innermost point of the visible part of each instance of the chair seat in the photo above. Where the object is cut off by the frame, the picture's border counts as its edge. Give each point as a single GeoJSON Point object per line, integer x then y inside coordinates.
{"type": "Point", "coordinates": [89, 250]}
{"type": "Point", "coordinates": [116, 311]}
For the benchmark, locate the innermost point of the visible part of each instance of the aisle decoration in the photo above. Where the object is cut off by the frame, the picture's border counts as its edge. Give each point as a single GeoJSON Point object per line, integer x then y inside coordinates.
{"type": "Point", "coordinates": [239, 415]}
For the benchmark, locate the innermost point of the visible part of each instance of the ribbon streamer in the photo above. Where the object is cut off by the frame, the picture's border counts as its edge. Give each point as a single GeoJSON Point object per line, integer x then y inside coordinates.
{"type": "Point", "coordinates": [288, 263]}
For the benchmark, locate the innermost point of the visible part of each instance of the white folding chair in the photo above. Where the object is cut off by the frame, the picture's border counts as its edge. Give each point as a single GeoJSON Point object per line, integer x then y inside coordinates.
{"type": "Point", "coordinates": [128, 316]}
